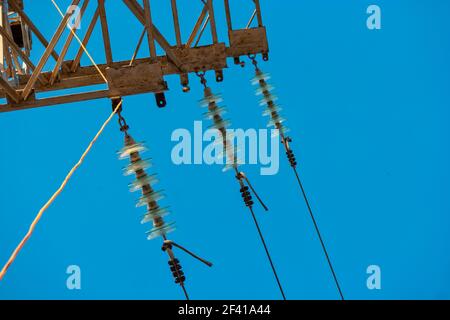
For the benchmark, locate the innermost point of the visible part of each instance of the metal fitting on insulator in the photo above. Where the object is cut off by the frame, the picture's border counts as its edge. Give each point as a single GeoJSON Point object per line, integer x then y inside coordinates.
{"type": "Point", "coordinates": [117, 107]}
{"type": "Point", "coordinates": [202, 76]}
{"type": "Point", "coordinates": [219, 75]}
{"type": "Point", "coordinates": [237, 61]}
{"type": "Point", "coordinates": [177, 272]}
{"type": "Point", "coordinates": [166, 246]}
{"type": "Point", "coordinates": [254, 62]}
{"type": "Point", "coordinates": [291, 157]}
{"type": "Point", "coordinates": [247, 196]}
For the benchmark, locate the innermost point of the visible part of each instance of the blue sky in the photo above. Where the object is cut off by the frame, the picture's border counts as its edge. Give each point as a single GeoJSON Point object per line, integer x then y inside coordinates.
{"type": "Point", "coordinates": [369, 114]}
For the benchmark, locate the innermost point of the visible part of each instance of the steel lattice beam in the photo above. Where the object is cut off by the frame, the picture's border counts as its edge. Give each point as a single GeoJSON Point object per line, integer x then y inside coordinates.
{"type": "Point", "coordinates": [124, 77]}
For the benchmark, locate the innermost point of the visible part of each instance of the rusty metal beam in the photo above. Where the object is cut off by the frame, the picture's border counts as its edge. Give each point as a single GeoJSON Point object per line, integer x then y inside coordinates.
{"type": "Point", "coordinates": [138, 11]}
{"type": "Point", "coordinates": [105, 32]}
{"type": "Point", "coordinates": [85, 41]}
{"type": "Point", "coordinates": [20, 53]}
{"type": "Point", "coordinates": [148, 28]}
{"type": "Point", "coordinates": [176, 23]}
{"type": "Point", "coordinates": [10, 91]}
{"type": "Point", "coordinates": [197, 26]}
{"type": "Point", "coordinates": [64, 50]}
{"type": "Point", "coordinates": [32, 81]}
{"type": "Point", "coordinates": [176, 59]}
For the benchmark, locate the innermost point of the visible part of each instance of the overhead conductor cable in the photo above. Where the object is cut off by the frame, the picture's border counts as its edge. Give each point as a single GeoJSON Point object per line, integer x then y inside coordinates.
{"type": "Point", "coordinates": [272, 110]}
{"type": "Point", "coordinates": [215, 112]}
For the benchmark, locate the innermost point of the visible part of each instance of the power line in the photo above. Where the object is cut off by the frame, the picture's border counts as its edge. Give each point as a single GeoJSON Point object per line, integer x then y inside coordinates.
{"type": "Point", "coordinates": [38, 217]}
{"type": "Point", "coordinates": [316, 226]}
{"type": "Point", "coordinates": [267, 253]}
{"type": "Point", "coordinates": [273, 111]}
{"type": "Point", "coordinates": [55, 195]}
{"type": "Point", "coordinates": [230, 154]}
{"type": "Point", "coordinates": [185, 292]}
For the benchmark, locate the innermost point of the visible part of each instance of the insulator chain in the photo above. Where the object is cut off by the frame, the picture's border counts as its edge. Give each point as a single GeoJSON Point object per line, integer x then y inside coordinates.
{"type": "Point", "coordinates": [215, 113]}
{"type": "Point", "coordinates": [273, 110]}
{"type": "Point", "coordinates": [150, 198]}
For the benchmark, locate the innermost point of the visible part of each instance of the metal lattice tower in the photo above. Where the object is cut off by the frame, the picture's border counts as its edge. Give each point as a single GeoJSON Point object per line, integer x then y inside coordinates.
{"type": "Point", "coordinates": [22, 78]}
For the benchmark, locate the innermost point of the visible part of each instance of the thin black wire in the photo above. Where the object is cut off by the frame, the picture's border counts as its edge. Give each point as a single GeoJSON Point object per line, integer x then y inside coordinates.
{"type": "Point", "coordinates": [267, 252]}
{"type": "Point", "coordinates": [255, 63]}
{"type": "Point", "coordinates": [170, 242]}
{"type": "Point", "coordinates": [182, 285]}
{"type": "Point", "coordinates": [185, 292]}
{"type": "Point", "coordinates": [318, 233]}
{"type": "Point", "coordinates": [256, 194]}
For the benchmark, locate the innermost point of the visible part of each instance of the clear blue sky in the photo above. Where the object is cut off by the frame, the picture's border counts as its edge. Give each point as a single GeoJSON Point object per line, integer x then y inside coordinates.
{"type": "Point", "coordinates": [369, 113]}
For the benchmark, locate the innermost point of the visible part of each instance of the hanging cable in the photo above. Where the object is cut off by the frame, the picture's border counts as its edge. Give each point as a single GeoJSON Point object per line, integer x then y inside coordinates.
{"type": "Point", "coordinates": [267, 253]}
{"type": "Point", "coordinates": [273, 111]}
{"type": "Point", "coordinates": [38, 217]}
{"type": "Point", "coordinates": [246, 195]}
{"type": "Point", "coordinates": [55, 195]}
{"type": "Point", "coordinates": [319, 234]}
{"type": "Point", "coordinates": [211, 101]}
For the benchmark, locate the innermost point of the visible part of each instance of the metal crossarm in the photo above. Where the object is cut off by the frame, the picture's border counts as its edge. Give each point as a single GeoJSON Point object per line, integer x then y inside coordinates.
{"type": "Point", "coordinates": [24, 76]}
